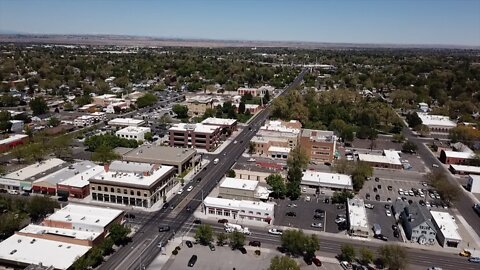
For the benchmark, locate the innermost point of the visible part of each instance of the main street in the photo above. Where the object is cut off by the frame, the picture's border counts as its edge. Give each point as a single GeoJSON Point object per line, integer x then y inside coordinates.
{"type": "Point", "coordinates": [143, 248]}
{"type": "Point", "coordinates": [464, 204]}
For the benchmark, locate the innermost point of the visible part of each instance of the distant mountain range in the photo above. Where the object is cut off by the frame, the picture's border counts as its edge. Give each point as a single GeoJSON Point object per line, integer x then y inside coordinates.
{"type": "Point", "coordinates": [120, 40]}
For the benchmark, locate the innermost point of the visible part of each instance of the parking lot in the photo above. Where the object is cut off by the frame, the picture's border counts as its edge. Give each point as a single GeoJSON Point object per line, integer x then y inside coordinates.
{"type": "Point", "coordinates": [378, 215]}
{"type": "Point", "coordinates": [305, 211]}
{"type": "Point", "coordinates": [224, 258]}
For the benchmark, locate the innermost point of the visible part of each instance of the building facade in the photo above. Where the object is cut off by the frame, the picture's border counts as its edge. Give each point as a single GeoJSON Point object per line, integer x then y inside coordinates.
{"type": "Point", "coordinates": [357, 218]}
{"type": "Point", "coordinates": [417, 224]}
{"type": "Point", "coordinates": [318, 145]}
{"type": "Point", "coordinates": [133, 133]}
{"type": "Point", "coordinates": [236, 211]}
{"type": "Point", "coordinates": [447, 229]}
{"type": "Point", "coordinates": [195, 136]}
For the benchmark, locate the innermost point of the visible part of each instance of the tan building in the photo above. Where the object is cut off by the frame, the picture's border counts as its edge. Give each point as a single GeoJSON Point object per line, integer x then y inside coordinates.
{"type": "Point", "coordinates": [318, 145]}
{"type": "Point", "coordinates": [195, 136]}
{"type": "Point", "coordinates": [254, 172]}
{"type": "Point", "coordinates": [197, 105]}
{"type": "Point", "coordinates": [132, 184]}
{"type": "Point", "coordinates": [241, 189]}
{"type": "Point", "coordinates": [274, 135]}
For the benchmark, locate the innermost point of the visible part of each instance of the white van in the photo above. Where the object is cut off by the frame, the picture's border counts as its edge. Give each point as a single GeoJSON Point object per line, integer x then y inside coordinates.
{"type": "Point", "coordinates": [13, 192]}
{"type": "Point", "coordinates": [215, 161]}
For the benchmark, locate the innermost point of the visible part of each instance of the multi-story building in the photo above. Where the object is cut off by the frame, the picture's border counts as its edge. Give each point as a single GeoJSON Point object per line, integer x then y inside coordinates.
{"type": "Point", "coordinates": [195, 136]}
{"type": "Point", "coordinates": [357, 218]}
{"type": "Point", "coordinates": [12, 141]}
{"type": "Point", "coordinates": [256, 92]}
{"type": "Point", "coordinates": [417, 224]}
{"type": "Point", "coordinates": [226, 124]}
{"type": "Point", "coordinates": [133, 133]}
{"type": "Point", "coordinates": [318, 145]}
{"type": "Point", "coordinates": [335, 181]}
{"type": "Point", "coordinates": [276, 138]}
{"type": "Point", "coordinates": [99, 116]}
{"type": "Point", "coordinates": [84, 121]}
{"type": "Point", "coordinates": [238, 211]}
{"type": "Point", "coordinates": [180, 158]}
{"type": "Point", "coordinates": [133, 184]}
{"type": "Point", "coordinates": [126, 122]}
{"type": "Point", "coordinates": [197, 105]}
{"type": "Point", "coordinates": [250, 171]}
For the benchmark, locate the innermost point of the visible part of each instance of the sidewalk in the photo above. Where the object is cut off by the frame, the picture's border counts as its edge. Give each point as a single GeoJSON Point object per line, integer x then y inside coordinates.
{"type": "Point", "coordinates": [164, 258]}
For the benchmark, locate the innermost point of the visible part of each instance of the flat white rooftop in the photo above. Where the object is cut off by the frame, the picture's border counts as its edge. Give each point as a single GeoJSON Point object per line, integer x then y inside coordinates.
{"type": "Point", "coordinates": [198, 127]}
{"type": "Point", "coordinates": [454, 154]}
{"type": "Point", "coordinates": [236, 183]}
{"type": "Point", "coordinates": [446, 224]}
{"type": "Point", "coordinates": [29, 250]}
{"type": "Point", "coordinates": [73, 170]}
{"type": "Point", "coordinates": [389, 157]}
{"type": "Point", "coordinates": [85, 117]}
{"type": "Point", "coordinates": [135, 175]}
{"type": "Point", "coordinates": [88, 215]}
{"type": "Point", "coordinates": [35, 169]}
{"type": "Point", "coordinates": [357, 214]}
{"type": "Point", "coordinates": [219, 121]}
{"type": "Point", "coordinates": [465, 168]}
{"type": "Point", "coordinates": [75, 234]}
{"type": "Point", "coordinates": [332, 180]}
{"type": "Point", "coordinates": [133, 130]}
{"type": "Point", "coordinates": [436, 120]}
{"type": "Point", "coordinates": [125, 122]}
{"type": "Point", "coordinates": [80, 180]}
{"type": "Point", "coordinates": [13, 138]}
{"type": "Point", "coordinates": [237, 205]}
{"type": "Point", "coordinates": [278, 149]}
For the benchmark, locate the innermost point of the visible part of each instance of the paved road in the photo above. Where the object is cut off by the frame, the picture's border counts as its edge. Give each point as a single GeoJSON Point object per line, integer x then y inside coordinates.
{"type": "Point", "coordinates": [143, 249]}
{"type": "Point", "coordinates": [416, 257]}
{"type": "Point", "coordinates": [464, 204]}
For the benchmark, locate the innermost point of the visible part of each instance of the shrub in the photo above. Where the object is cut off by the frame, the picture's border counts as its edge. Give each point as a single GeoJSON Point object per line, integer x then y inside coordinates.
{"type": "Point", "coordinates": [257, 252]}
{"type": "Point", "coordinates": [178, 248]}
{"type": "Point", "coordinates": [175, 252]}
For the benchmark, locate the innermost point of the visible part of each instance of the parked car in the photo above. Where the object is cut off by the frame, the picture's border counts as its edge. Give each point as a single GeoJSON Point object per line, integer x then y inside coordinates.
{"type": "Point", "coordinates": [318, 216]}
{"type": "Point", "coordinates": [389, 187]}
{"type": "Point", "coordinates": [165, 205]}
{"type": "Point", "coordinates": [242, 250]}
{"type": "Point", "coordinates": [223, 221]}
{"type": "Point", "coordinates": [291, 205]}
{"type": "Point", "coordinates": [465, 253]}
{"type": "Point", "coordinates": [189, 243]}
{"type": "Point", "coordinates": [180, 191]}
{"type": "Point", "coordinates": [317, 225]}
{"type": "Point", "coordinates": [192, 261]}
{"type": "Point", "coordinates": [474, 259]}
{"type": "Point", "coordinates": [190, 188]}
{"type": "Point", "coordinates": [340, 220]}
{"type": "Point", "coordinates": [369, 206]}
{"type": "Point", "coordinates": [212, 247]}
{"type": "Point", "coordinates": [377, 197]}
{"type": "Point", "coordinates": [254, 243]}
{"type": "Point", "coordinates": [377, 179]}
{"type": "Point", "coordinates": [388, 213]}
{"type": "Point", "coordinates": [319, 211]}
{"type": "Point", "coordinates": [197, 221]}
{"type": "Point", "coordinates": [291, 214]}
{"type": "Point", "coordinates": [316, 261]}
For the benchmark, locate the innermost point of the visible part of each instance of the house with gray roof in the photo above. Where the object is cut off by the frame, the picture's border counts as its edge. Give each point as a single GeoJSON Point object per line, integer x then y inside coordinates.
{"type": "Point", "coordinates": [417, 224]}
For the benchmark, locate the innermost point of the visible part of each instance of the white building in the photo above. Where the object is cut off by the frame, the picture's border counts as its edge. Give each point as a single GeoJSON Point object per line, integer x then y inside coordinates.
{"type": "Point", "coordinates": [389, 159]}
{"type": "Point", "coordinates": [238, 211]}
{"type": "Point", "coordinates": [447, 229]}
{"type": "Point", "coordinates": [473, 184]}
{"type": "Point", "coordinates": [133, 133]}
{"type": "Point", "coordinates": [99, 116]}
{"type": "Point", "coordinates": [278, 152]}
{"type": "Point", "coordinates": [126, 122]}
{"type": "Point", "coordinates": [422, 106]}
{"type": "Point", "coordinates": [464, 169]}
{"type": "Point", "coordinates": [326, 180]}
{"type": "Point", "coordinates": [437, 123]}
{"type": "Point", "coordinates": [23, 250]}
{"type": "Point", "coordinates": [357, 218]}
{"type": "Point", "coordinates": [84, 121]}
{"type": "Point", "coordinates": [17, 126]}
{"type": "Point", "coordinates": [241, 189]}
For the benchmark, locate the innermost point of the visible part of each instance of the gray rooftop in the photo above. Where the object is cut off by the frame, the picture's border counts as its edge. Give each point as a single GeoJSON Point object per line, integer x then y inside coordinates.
{"type": "Point", "coordinates": [67, 172]}
{"type": "Point", "coordinates": [159, 154]}
{"type": "Point", "coordinates": [251, 166]}
{"type": "Point", "coordinates": [419, 215]}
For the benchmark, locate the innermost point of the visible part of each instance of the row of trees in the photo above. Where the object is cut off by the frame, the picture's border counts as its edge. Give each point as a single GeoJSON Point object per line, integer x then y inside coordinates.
{"type": "Point", "coordinates": [393, 256]}
{"type": "Point", "coordinates": [41, 145]}
{"type": "Point", "coordinates": [448, 191]}
{"type": "Point", "coordinates": [360, 171]}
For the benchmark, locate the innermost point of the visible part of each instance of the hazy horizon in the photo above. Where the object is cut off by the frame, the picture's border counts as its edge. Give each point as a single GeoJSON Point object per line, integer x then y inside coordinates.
{"type": "Point", "coordinates": [441, 22]}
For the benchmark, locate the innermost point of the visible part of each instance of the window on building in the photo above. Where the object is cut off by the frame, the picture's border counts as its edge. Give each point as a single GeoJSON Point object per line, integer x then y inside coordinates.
{"type": "Point", "coordinates": [250, 212]}
{"type": "Point", "coordinates": [112, 190]}
{"type": "Point", "coordinates": [100, 188]}
{"type": "Point", "coordinates": [125, 191]}
{"type": "Point", "coordinates": [93, 188]}
{"type": "Point", "coordinates": [211, 211]}
{"type": "Point", "coordinates": [118, 190]}
{"type": "Point", "coordinates": [219, 212]}
{"type": "Point", "coordinates": [105, 189]}
{"type": "Point", "coordinates": [131, 192]}
{"type": "Point", "coordinates": [258, 213]}
{"type": "Point", "coordinates": [145, 195]}
{"type": "Point", "coordinates": [138, 193]}
{"type": "Point", "coordinates": [227, 214]}
{"type": "Point", "coordinates": [242, 211]}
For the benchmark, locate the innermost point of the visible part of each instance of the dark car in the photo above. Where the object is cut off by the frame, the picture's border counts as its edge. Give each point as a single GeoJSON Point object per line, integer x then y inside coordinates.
{"type": "Point", "coordinates": [192, 261]}
{"type": "Point", "coordinates": [165, 205]}
{"type": "Point", "coordinates": [197, 221]}
{"type": "Point", "coordinates": [130, 216]}
{"type": "Point", "coordinates": [254, 243]}
{"type": "Point", "coordinates": [396, 234]}
{"type": "Point", "coordinates": [282, 249]}
{"type": "Point", "coordinates": [199, 179]}
{"type": "Point", "coordinates": [319, 211]}
{"type": "Point", "coordinates": [379, 186]}
{"type": "Point", "coordinates": [189, 243]}
{"type": "Point", "coordinates": [223, 221]}
{"type": "Point", "coordinates": [242, 250]}
{"type": "Point", "coordinates": [381, 237]}
{"type": "Point", "coordinates": [327, 200]}
{"type": "Point", "coordinates": [291, 214]}
{"type": "Point", "coordinates": [318, 216]}
{"type": "Point", "coordinates": [394, 227]}
{"type": "Point", "coordinates": [377, 179]}
{"type": "Point", "coordinates": [375, 189]}
{"type": "Point", "coordinates": [328, 163]}
{"type": "Point", "coordinates": [316, 261]}
{"type": "Point", "coordinates": [212, 247]}
{"type": "Point", "coordinates": [421, 202]}
{"type": "Point", "coordinates": [164, 228]}
{"type": "Point", "coordinates": [389, 187]}
{"type": "Point", "coordinates": [377, 197]}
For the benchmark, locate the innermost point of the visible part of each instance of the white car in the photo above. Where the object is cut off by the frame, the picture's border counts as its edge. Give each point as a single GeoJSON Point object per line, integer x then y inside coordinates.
{"type": "Point", "coordinates": [388, 213]}
{"type": "Point", "coordinates": [340, 220]}
{"type": "Point", "coordinates": [307, 199]}
{"type": "Point", "coordinates": [369, 206]}
{"type": "Point", "coordinates": [189, 188]}
{"type": "Point", "coordinates": [180, 191]}
{"type": "Point", "coordinates": [275, 231]}
{"type": "Point", "coordinates": [428, 204]}
{"type": "Point", "coordinates": [317, 225]}
{"type": "Point", "coordinates": [410, 192]}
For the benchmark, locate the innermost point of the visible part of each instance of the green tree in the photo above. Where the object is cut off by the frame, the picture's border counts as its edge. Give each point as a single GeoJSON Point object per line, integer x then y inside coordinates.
{"type": "Point", "coordinates": [53, 121]}
{"type": "Point", "coordinates": [148, 99]}
{"type": "Point", "coordinates": [104, 154]}
{"type": "Point", "coordinates": [83, 100]}
{"type": "Point", "coordinates": [448, 191]}
{"type": "Point", "coordinates": [342, 196]}
{"type": "Point", "coordinates": [241, 107]}
{"type": "Point", "coordinates": [298, 243]}
{"type": "Point", "coordinates": [409, 147]}
{"type": "Point", "coordinates": [38, 207]}
{"type": "Point", "coordinates": [399, 138]}
{"type": "Point", "coordinates": [119, 234]}
{"type": "Point", "coordinates": [221, 238]}
{"type": "Point", "coordinates": [347, 252]}
{"type": "Point", "coordinates": [68, 106]}
{"type": "Point", "coordinates": [266, 97]}
{"type": "Point", "coordinates": [38, 106]}
{"type": "Point", "coordinates": [231, 173]}
{"type": "Point", "coordinates": [366, 255]}
{"type": "Point", "coordinates": [393, 256]}
{"type": "Point", "coordinates": [413, 120]}
{"type": "Point", "coordinates": [251, 148]}
{"type": "Point", "coordinates": [204, 234]}
{"type": "Point", "coordinates": [5, 124]}
{"type": "Point", "coordinates": [181, 111]}
{"type": "Point", "coordinates": [277, 183]}
{"type": "Point", "coordinates": [95, 257]}
{"type": "Point", "coordinates": [148, 136]}
{"type": "Point", "coordinates": [165, 119]}
{"type": "Point", "coordinates": [237, 239]}
{"type": "Point", "coordinates": [107, 246]}
{"type": "Point", "coordinates": [283, 263]}
{"type": "Point", "coordinates": [35, 151]}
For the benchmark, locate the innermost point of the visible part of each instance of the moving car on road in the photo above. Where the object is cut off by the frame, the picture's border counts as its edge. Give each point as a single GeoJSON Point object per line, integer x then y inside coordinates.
{"type": "Point", "coordinates": [192, 261]}
{"type": "Point", "coordinates": [190, 188]}
{"type": "Point", "coordinates": [164, 228]}
{"type": "Point", "coordinates": [275, 231]}
{"type": "Point", "coordinates": [189, 243]}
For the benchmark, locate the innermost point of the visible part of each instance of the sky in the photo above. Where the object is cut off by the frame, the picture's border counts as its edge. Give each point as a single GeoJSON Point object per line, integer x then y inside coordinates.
{"type": "Point", "coordinates": [443, 22]}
